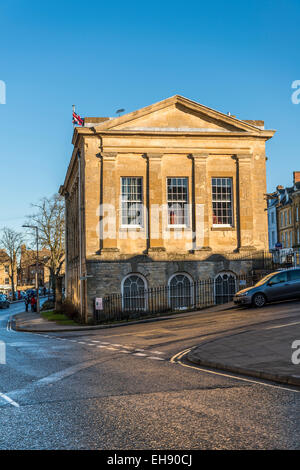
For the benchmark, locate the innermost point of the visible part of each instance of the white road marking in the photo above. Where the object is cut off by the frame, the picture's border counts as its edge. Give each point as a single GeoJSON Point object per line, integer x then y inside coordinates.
{"type": "Point", "coordinates": [139, 349]}
{"type": "Point", "coordinates": [9, 400]}
{"type": "Point", "coordinates": [176, 360]}
{"type": "Point", "coordinates": [65, 373]}
{"type": "Point", "coordinates": [139, 354]}
{"type": "Point", "coordinates": [156, 358]}
{"type": "Point", "coordinates": [282, 326]}
{"type": "Point", "coordinates": [101, 346]}
{"type": "Point", "coordinates": [125, 352]}
{"type": "Point", "coordinates": [95, 341]}
{"type": "Point", "coordinates": [157, 352]}
{"type": "Point", "coordinates": [112, 349]}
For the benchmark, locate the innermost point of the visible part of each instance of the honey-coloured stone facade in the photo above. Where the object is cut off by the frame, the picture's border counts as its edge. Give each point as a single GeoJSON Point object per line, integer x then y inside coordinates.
{"type": "Point", "coordinates": [175, 138]}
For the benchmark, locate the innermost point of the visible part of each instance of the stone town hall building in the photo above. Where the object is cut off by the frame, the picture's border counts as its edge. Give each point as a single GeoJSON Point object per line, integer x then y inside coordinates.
{"type": "Point", "coordinates": [172, 189]}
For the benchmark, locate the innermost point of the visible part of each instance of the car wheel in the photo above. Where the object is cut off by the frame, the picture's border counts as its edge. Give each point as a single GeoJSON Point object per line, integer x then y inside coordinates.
{"type": "Point", "coordinates": [259, 300]}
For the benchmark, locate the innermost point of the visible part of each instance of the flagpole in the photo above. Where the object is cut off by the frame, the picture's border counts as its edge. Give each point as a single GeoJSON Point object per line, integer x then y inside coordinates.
{"type": "Point", "coordinates": [73, 107]}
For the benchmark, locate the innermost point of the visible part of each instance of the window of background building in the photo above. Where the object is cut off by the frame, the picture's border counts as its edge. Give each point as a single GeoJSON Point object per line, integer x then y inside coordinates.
{"type": "Point", "coordinates": [132, 201]}
{"type": "Point", "coordinates": [281, 219]}
{"type": "Point", "coordinates": [291, 239]}
{"type": "Point", "coordinates": [222, 202]}
{"type": "Point", "coordinates": [6, 268]}
{"type": "Point", "coordinates": [273, 238]}
{"type": "Point", "coordinates": [298, 236]}
{"type": "Point", "coordinates": [272, 218]}
{"type": "Point", "coordinates": [297, 214]}
{"type": "Point", "coordinates": [6, 280]}
{"type": "Point", "coordinates": [285, 218]}
{"type": "Point", "coordinates": [286, 240]}
{"type": "Point", "coordinates": [177, 199]}
{"type": "Point", "coordinates": [290, 216]}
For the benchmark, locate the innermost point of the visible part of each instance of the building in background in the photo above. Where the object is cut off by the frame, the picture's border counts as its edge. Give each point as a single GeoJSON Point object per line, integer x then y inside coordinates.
{"type": "Point", "coordinates": [272, 219]}
{"type": "Point", "coordinates": [28, 268]}
{"type": "Point", "coordinates": [5, 286]}
{"type": "Point", "coordinates": [164, 195]}
{"type": "Point", "coordinates": [286, 203]}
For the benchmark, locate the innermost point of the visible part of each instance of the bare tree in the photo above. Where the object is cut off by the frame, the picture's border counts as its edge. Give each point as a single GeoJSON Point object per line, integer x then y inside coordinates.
{"type": "Point", "coordinates": [11, 242]}
{"type": "Point", "coordinates": [50, 220]}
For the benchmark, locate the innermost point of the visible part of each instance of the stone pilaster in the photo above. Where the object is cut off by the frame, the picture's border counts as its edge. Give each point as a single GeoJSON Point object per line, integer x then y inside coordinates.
{"type": "Point", "coordinates": [109, 203]}
{"type": "Point", "coordinates": [201, 203]}
{"type": "Point", "coordinates": [155, 190]}
{"type": "Point", "coordinates": [244, 203]}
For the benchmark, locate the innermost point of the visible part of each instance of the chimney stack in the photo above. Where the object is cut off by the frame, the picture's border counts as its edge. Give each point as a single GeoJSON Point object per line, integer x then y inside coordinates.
{"type": "Point", "coordinates": [296, 175]}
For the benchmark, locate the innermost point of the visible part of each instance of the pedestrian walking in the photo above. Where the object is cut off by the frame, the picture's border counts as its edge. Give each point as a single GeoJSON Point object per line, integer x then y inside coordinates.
{"type": "Point", "coordinates": [26, 303]}
{"type": "Point", "coordinates": [33, 304]}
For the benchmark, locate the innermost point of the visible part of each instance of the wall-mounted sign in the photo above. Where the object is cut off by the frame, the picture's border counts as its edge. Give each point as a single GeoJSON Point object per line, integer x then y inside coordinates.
{"type": "Point", "coordinates": [99, 303]}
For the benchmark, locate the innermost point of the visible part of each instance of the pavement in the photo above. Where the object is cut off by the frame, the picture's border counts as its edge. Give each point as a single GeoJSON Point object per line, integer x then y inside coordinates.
{"type": "Point", "coordinates": [257, 353]}
{"type": "Point", "coordinates": [133, 387]}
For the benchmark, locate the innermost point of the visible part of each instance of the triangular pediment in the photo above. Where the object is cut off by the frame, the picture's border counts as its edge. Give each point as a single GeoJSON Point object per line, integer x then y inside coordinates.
{"type": "Point", "coordinates": [177, 114]}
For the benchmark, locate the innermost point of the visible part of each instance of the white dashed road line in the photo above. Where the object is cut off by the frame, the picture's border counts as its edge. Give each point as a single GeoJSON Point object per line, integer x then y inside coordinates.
{"type": "Point", "coordinates": [122, 348]}
{"type": "Point", "coordinates": [9, 400]}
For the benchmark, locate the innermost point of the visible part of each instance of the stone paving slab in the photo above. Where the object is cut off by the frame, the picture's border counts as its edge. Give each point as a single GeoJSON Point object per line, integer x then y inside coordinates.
{"type": "Point", "coordinates": [263, 353]}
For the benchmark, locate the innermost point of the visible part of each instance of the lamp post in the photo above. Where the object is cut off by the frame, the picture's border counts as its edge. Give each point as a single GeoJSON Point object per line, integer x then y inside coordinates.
{"type": "Point", "coordinates": [37, 266]}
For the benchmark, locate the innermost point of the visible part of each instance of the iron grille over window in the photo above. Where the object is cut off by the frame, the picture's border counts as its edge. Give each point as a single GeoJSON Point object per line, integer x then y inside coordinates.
{"type": "Point", "coordinates": [180, 292]}
{"type": "Point", "coordinates": [177, 196]}
{"type": "Point", "coordinates": [132, 201]}
{"type": "Point", "coordinates": [222, 201]}
{"type": "Point", "coordinates": [225, 288]}
{"type": "Point", "coordinates": [134, 293]}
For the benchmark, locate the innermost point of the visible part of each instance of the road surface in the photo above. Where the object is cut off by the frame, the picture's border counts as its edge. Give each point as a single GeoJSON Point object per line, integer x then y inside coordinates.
{"type": "Point", "coordinates": [120, 389]}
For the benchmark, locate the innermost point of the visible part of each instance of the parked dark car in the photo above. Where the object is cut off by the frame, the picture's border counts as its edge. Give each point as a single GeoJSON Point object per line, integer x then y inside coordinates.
{"type": "Point", "coordinates": [4, 303]}
{"type": "Point", "coordinates": [280, 285]}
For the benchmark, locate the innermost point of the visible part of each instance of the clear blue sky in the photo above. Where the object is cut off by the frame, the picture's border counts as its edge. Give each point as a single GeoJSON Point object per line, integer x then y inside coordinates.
{"type": "Point", "coordinates": [233, 56]}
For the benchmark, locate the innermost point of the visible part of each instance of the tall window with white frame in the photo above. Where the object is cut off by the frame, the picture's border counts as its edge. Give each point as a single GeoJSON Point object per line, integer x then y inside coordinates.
{"type": "Point", "coordinates": [222, 202]}
{"type": "Point", "coordinates": [177, 200]}
{"type": "Point", "coordinates": [132, 201]}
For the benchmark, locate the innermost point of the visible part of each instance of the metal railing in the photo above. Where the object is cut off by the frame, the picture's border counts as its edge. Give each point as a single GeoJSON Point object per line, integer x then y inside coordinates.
{"type": "Point", "coordinates": [166, 299]}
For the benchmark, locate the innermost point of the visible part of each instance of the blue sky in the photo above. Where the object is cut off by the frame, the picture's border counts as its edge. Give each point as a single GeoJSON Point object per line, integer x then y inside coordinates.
{"type": "Point", "coordinates": [233, 56]}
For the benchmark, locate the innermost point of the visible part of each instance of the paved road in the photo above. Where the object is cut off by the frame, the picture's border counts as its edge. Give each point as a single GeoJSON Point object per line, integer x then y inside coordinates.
{"type": "Point", "coordinates": [118, 389]}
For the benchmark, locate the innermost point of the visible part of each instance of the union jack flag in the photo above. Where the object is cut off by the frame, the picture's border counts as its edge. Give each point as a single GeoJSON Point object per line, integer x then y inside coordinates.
{"type": "Point", "coordinates": [77, 119]}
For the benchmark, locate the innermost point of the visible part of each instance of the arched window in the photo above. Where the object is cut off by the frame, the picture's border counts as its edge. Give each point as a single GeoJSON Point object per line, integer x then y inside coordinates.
{"type": "Point", "coordinates": [180, 291]}
{"type": "Point", "coordinates": [225, 287]}
{"type": "Point", "coordinates": [133, 290]}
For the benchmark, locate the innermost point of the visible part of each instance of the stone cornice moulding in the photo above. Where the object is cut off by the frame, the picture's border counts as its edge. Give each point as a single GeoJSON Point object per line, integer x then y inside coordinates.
{"type": "Point", "coordinates": [109, 156]}
{"type": "Point", "coordinates": [244, 158]}
{"type": "Point", "coordinates": [154, 156]}
{"type": "Point", "coordinates": [200, 157]}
